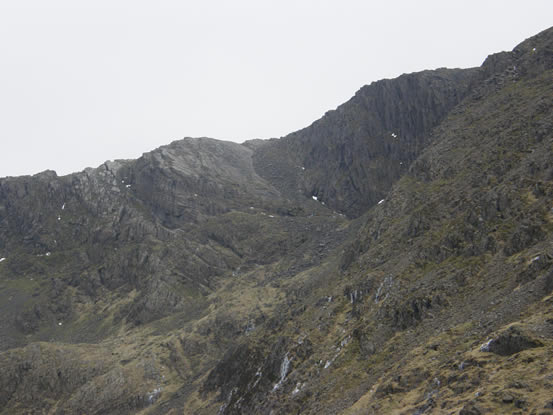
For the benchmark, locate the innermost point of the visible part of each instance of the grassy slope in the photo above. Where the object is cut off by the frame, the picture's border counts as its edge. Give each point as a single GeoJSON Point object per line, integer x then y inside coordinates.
{"type": "Point", "coordinates": [452, 288]}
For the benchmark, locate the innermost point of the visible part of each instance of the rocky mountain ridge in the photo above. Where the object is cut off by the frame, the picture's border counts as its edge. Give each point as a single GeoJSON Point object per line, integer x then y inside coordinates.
{"type": "Point", "coordinates": [393, 257]}
{"type": "Point", "coordinates": [351, 157]}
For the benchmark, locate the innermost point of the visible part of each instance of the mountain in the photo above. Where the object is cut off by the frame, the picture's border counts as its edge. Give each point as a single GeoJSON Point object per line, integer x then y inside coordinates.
{"type": "Point", "coordinates": [393, 257]}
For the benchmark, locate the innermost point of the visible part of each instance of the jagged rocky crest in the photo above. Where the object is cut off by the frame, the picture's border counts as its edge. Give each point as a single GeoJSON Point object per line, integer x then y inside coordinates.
{"type": "Point", "coordinates": [351, 157]}
{"type": "Point", "coordinates": [393, 257]}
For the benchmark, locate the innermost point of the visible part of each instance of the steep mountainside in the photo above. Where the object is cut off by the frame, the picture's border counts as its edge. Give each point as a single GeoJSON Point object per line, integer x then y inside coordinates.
{"type": "Point", "coordinates": [350, 158]}
{"type": "Point", "coordinates": [394, 257]}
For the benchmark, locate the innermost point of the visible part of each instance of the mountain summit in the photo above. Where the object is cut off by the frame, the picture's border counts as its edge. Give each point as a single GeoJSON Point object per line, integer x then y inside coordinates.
{"type": "Point", "coordinates": [396, 256]}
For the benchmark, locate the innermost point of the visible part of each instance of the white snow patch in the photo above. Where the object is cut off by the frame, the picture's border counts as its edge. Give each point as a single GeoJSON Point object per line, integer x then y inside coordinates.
{"type": "Point", "coordinates": [63, 206]}
{"type": "Point", "coordinates": [535, 258]}
{"type": "Point", "coordinates": [394, 135]}
{"type": "Point", "coordinates": [314, 197]}
{"type": "Point", "coordinates": [345, 342]}
{"type": "Point", "coordinates": [258, 376]}
{"type": "Point", "coordinates": [2, 259]}
{"type": "Point", "coordinates": [303, 168]}
{"type": "Point", "coordinates": [60, 323]}
{"type": "Point", "coordinates": [534, 49]}
{"type": "Point", "coordinates": [59, 217]}
{"type": "Point", "coordinates": [284, 367]}
{"type": "Point", "coordinates": [382, 201]}
{"type": "Point", "coordinates": [127, 186]}
{"type": "Point", "coordinates": [48, 253]}
{"type": "Point", "coordinates": [271, 216]}
{"type": "Point", "coordinates": [251, 207]}
{"type": "Point", "coordinates": [384, 285]}
{"type": "Point", "coordinates": [152, 396]}
{"type": "Point", "coordinates": [297, 388]}
{"type": "Point", "coordinates": [486, 346]}
{"type": "Point", "coordinates": [327, 364]}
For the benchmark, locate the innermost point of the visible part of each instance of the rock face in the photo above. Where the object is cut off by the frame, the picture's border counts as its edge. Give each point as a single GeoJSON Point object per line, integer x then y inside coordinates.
{"type": "Point", "coordinates": [194, 178]}
{"type": "Point", "coordinates": [350, 158]}
{"type": "Point", "coordinates": [511, 341]}
{"type": "Point", "coordinates": [393, 257]}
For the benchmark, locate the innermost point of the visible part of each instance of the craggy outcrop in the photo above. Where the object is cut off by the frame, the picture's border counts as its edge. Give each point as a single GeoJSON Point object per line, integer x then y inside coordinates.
{"type": "Point", "coordinates": [350, 158]}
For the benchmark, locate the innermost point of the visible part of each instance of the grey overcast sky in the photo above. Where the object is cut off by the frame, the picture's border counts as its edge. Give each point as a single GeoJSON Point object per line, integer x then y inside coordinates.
{"type": "Point", "coordinates": [84, 81]}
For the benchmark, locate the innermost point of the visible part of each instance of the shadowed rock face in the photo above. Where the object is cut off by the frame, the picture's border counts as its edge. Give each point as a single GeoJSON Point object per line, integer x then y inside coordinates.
{"type": "Point", "coordinates": [212, 277]}
{"type": "Point", "coordinates": [351, 157]}
{"type": "Point", "coordinates": [511, 341]}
